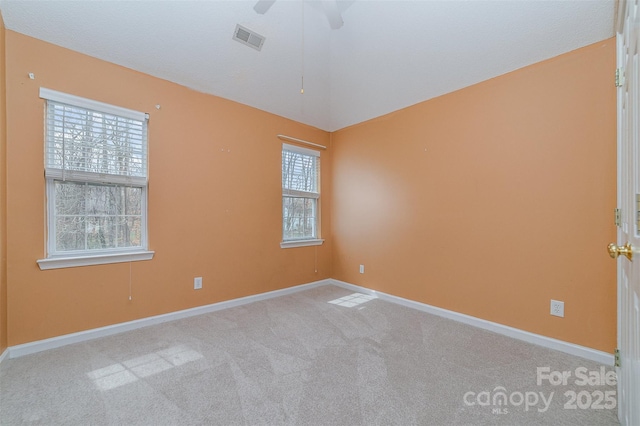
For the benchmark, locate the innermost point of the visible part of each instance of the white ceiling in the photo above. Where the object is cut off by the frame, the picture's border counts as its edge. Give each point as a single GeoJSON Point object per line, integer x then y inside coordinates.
{"type": "Point", "coordinates": [388, 54]}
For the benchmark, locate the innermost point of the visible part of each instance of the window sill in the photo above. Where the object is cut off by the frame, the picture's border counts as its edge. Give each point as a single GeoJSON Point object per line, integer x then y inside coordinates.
{"type": "Point", "coordinates": [97, 259]}
{"type": "Point", "coordinates": [301, 243]}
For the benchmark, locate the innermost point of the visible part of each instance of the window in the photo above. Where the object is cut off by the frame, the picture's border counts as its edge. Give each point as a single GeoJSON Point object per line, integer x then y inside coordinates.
{"type": "Point", "coordinates": [300, 196]}
{"type": "Point", "coordinates": [96, 181]}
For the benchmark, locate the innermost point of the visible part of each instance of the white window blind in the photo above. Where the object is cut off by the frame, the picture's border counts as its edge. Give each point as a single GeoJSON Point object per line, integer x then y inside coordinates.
{"type": "Point", "coordinates": [83, 142]}
{"type": "Point", "coordinates": [300, 192]}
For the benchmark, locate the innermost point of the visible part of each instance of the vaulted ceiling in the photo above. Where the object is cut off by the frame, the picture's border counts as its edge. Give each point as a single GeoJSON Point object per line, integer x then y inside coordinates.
{"type": "Point", "coordinates": [387, 55]}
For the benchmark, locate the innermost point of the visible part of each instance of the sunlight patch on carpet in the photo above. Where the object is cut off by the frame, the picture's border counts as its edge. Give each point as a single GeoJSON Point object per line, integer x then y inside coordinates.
{"type": "Point", "coordinates": [120, 374]}
{"type": "Point", "coordinates": [352, 300]}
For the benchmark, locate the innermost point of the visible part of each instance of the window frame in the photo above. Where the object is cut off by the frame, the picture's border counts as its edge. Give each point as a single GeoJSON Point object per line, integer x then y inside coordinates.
{"type": "Point", "coordinates": [64, 259]}
{"type": "Point", "coordinates": [304, 241]}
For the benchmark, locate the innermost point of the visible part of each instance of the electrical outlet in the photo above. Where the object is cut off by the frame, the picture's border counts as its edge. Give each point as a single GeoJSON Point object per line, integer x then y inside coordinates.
{"type": "Point", "coordinates": [557, 308]}
{"type": "Point", "coordinates": [197, 283]}
{"type": "Point", "coordinates": [362, 269]}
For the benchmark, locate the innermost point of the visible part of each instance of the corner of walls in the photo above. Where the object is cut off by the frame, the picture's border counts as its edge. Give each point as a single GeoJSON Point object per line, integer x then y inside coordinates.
{"type": "Point", "coordinates": [3, 193]}
{"type": "Point", "coordinates": [492, 200]}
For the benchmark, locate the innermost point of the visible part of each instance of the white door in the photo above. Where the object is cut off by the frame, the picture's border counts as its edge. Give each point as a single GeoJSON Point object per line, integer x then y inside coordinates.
{"type": "Point", "coordinates": [628, 35]}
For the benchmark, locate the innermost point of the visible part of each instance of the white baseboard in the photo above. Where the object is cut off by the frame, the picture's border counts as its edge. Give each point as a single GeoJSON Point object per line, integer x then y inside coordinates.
{"type": "Point", "coordinates": [82, 336]}
{"type": "Point", "coordinates": [67, 339]}
{"type": "Point", "coordinates": [537, 339]}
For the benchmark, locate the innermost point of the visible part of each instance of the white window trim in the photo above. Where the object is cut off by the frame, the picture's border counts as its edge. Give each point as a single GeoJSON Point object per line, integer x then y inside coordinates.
{"type": "Point", "coordinates": [57, 260]}
{"type": "Point", "coordinates": [306, 242]}
{"type": "Point", "coordinates": [301, 243]}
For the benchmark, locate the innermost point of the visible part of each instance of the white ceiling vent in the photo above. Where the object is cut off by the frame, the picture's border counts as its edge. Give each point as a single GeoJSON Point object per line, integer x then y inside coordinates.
{"type": "Point", "coordinates": [248, 37]}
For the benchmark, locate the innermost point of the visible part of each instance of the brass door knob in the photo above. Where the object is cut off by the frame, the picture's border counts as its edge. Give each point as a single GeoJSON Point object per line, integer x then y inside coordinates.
{"type": "Point", "coordinates": [625, 250]}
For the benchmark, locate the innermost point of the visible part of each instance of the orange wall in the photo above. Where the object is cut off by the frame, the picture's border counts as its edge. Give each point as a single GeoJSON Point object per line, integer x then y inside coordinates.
{"type": "Point", "coordinates": [214, 200]}
{"type": "Point", "coordinates": [3, 196]}
{"type": "Point", "coordinates": [487, 201]}
{"type": "Point", "coordinates": [491, 200]}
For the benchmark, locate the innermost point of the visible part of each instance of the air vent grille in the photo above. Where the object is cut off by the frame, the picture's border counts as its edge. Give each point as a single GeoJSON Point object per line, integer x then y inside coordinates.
{"type": "Point", "coordinates": [248, 37]}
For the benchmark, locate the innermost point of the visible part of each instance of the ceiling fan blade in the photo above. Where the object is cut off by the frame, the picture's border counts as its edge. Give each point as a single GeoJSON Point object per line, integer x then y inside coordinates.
{"type": "Point", "coordinates": [263, 5]}
{"type": "Point", "coordinates": [333, 14]}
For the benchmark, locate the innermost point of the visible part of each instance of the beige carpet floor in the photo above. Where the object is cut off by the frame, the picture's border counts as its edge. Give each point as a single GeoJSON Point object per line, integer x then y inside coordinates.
{"type": "Point", "coordinates": [310, 358]}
